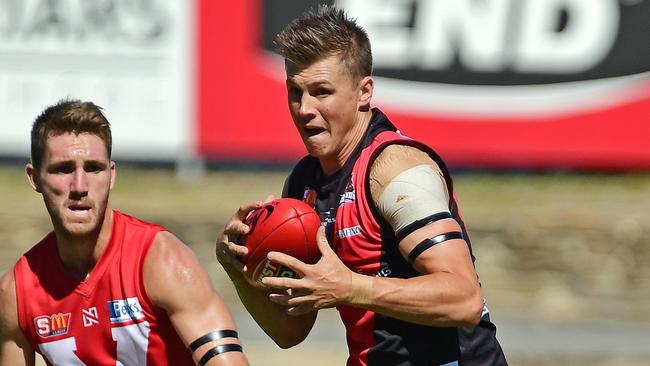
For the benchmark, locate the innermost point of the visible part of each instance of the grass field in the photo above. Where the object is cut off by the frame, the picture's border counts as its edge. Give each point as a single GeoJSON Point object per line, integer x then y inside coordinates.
{"type": "Point", "coordinates": [562, 257]}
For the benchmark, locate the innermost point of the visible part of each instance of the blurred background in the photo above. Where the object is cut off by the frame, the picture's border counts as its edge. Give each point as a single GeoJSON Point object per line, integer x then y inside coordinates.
{"type": "Point", "coordinates": [540, 107]}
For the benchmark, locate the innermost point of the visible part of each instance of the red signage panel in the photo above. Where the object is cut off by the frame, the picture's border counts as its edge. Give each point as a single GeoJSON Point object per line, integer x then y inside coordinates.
{"type": "Point", "coordinates": [569, 98]}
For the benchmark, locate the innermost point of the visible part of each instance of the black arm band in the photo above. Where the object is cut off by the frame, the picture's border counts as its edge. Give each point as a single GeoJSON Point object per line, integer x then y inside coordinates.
{"type": "Point", "coordinates": [428, 243]}
{"type": "Point", "coordinates": [218, 350]}
{"type": "Point", "coordinates": [212, 336]}
{"type": "Point", "coordinates": [417, 224]}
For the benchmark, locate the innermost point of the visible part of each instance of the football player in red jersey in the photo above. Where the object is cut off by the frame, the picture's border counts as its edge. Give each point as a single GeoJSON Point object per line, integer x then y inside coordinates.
{"type": "Point", "coordinates": [396, 258]}
{"type": "Point", "coordinates": [104, 287]}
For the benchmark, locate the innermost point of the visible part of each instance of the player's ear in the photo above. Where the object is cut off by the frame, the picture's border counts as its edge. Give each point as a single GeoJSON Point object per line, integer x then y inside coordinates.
{"type": "Point", "coordinates": [32, 177]}
{"type": "Point", "coordinates": [113, 168]}
{"type": "Point", "coordinates": [366, 88]}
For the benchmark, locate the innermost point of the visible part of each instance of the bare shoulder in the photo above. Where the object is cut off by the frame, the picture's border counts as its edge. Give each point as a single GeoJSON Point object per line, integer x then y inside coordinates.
{"type": "Point", "coordinates": [7, 292]}
{"type": "Point", "coordinates": [394, 160]}
{"type": "Point", "coordinates": [166, 248]}
{"type": "Point", "coordinates": [14, 348]}
{"type": "Point", "coordinates": [176, 282]}
{"type": "Point", "coordinates": [8, 310]}
{"type": "Point", "coordinates": [7, 280]}
{"type": "Point", "coordinates": [170, 266]}
{"type": "Point", "coordinates": [397, 151]}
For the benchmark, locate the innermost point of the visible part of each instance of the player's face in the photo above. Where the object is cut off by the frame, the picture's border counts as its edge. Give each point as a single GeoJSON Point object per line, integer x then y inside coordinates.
{"type": "Point", "coordinates": [324, 102]}
{"type": "Point", "coordinates": [75, 179]}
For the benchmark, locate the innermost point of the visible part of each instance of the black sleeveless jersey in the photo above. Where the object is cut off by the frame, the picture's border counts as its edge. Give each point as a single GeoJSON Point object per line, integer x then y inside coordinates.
{"type": "Point", "coordinates": [366, 243]}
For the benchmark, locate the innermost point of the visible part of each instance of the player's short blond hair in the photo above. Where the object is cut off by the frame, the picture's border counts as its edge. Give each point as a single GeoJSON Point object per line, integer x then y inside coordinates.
{"type": "Point", "coordinates": [324, 32]}
{"type": "Point", "coordinates": [68, 116]}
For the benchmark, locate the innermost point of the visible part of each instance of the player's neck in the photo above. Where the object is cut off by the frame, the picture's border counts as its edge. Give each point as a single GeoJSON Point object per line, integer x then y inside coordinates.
{"type": "Point", "coordinates": [79, 254]}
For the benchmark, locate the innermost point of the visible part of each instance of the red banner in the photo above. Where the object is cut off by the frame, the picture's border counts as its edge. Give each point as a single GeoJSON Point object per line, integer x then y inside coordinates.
{"type": "Point", "coordinates": [243, 116]}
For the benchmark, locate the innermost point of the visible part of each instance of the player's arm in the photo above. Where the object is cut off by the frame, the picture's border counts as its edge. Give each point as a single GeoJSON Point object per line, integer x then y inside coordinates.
{"type": "Point", "coordinates": [285, 330]}
{"type": "Point", "coordinates": [176, 282]}
{"type": "Point", "coordinates": [14, 348]}
{"type": "Point", "coordinates": [409, 191]}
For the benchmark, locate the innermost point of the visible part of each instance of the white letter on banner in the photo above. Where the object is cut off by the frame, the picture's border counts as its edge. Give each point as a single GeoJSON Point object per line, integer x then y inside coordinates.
{"type": "Point", "coordinates": [477, 28]}
{"type": "Point", "coordinates": [386, 22]}
{"type": "Point", "coordinates": [585, 41]}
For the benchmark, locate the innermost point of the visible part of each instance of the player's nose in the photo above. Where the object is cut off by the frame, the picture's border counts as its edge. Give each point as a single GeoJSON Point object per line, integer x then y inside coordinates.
{"type": "Point", "coordinates": [307, 108]}
{"type": "Point", "coordinates": [79, 183]}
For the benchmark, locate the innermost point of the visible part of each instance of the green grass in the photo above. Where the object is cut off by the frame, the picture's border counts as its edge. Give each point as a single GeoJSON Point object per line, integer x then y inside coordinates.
{"type": "Point", "coordinates": [569, 248]}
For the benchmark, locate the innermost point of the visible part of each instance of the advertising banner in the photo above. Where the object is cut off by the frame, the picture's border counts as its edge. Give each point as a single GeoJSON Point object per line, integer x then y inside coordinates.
{"type": "Point", "coordinates": [523, 84]}
{"type": "Point", "coordinates": [132, 57]}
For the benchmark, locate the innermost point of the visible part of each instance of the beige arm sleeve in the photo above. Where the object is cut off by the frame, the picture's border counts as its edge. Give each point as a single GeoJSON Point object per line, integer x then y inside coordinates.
{"type": "Point", "coordinates": [407, 185]}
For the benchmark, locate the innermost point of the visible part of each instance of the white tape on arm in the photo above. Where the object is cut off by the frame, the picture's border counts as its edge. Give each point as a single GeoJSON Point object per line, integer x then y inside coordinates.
{"type": "Point", "coordinates": [414, 194]}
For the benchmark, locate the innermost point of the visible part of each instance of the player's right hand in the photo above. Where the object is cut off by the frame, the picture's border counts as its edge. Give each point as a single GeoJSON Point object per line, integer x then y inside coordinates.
{"type": "Point", "coordinates": [229, 252]}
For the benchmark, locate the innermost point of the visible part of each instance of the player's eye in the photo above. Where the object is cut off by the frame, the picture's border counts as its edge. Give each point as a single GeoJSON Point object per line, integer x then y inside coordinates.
{"type": "Point", "coordinates": [322, 92]}
{"type": "Point", "coordinates": [62, 169]}
{"type": "Point", "coordinates": [294, 94]}
{"type": "Point", "coordinates": [94, 167]}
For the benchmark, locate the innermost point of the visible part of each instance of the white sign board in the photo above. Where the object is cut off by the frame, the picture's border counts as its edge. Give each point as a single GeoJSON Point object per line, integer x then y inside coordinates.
{"type": "Point", "coordinates": [131, 57]}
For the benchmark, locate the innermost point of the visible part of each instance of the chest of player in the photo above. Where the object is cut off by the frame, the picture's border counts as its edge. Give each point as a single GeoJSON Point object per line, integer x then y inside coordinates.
{"type": "Point", "coordinates": [103, 327]}
{"type": "Point", "coordinates": [355, 234]}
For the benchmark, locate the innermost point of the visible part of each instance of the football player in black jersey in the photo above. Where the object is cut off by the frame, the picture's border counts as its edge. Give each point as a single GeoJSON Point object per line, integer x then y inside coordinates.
{"type": "Point", "coordinates": [396, 258]}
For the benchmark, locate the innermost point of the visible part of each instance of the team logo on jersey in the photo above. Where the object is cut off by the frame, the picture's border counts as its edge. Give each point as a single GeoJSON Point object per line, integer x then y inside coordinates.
{"type": "Point", "coordinates": [349, 195]}
{"type": "Point", "coordinates": [90, 316]}
{"type": "Point", "coordinates": [125, 310]}
{"type": "Point", "coordinates": [52, 325]}
{"type": "Point", "coordinates": [328, 219]}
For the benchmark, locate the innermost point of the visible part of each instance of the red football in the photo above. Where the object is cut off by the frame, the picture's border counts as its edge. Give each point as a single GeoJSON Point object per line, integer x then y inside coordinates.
{"type": "Point", "coordinates": [285, 225]}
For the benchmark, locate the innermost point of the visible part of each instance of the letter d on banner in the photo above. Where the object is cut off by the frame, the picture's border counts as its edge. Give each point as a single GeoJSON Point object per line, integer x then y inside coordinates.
{"type": "Point", "coordinates": [583, 42]}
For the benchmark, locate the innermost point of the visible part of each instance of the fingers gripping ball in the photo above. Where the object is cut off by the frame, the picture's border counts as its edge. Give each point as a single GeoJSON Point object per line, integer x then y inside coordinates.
{"type": "Point", "coordinates": [285, 225]}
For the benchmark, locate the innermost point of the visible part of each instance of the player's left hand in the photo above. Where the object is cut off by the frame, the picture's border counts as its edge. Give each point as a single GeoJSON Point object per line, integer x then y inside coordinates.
{"type": "Point", "coordinates": [325, 284]}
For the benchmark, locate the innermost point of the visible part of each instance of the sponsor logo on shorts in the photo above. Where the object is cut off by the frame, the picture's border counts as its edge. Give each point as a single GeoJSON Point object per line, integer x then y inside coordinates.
{"type": "Point", "coordinates": [348, 232]}
{"type": "Point", "coordinates": [52, 325]}
{"type": "Point", "coordinates": [125, 310]}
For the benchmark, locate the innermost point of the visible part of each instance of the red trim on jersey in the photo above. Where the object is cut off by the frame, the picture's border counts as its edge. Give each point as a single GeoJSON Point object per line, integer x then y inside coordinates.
{"type": "Point", "coordinates": [360, 250]}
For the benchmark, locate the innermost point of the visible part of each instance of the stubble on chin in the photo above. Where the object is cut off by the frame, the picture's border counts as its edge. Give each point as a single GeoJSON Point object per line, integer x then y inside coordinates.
{"type": "Point", "coordinates": [72, 228]}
